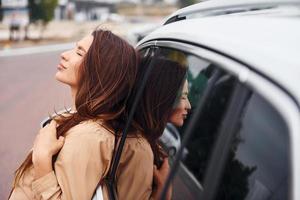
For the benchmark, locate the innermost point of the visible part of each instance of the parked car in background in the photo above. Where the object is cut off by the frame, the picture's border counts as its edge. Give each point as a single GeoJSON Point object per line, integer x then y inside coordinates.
{"type": "Point", "coordinates": [243, 135]}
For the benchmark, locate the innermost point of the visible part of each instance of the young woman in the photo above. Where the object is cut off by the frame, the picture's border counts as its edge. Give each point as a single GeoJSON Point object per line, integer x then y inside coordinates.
{"type": "Point", "coordinates": [101, 72]}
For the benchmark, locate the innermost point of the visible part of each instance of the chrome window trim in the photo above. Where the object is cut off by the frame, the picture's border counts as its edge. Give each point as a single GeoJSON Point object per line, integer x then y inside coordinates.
{"type": "Point", "coordinates": [273, 94]}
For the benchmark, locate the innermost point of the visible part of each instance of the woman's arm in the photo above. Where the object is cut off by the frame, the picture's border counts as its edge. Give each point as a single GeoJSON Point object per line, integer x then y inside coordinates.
{"type": "Point", "coordinates": [80, 164]}
{"type": "Point", "coordinates": [45, 146]}
{"type": "Point", "coordinates": [160, 176]}
{"type": "Point", "coordinates": [45, 185]}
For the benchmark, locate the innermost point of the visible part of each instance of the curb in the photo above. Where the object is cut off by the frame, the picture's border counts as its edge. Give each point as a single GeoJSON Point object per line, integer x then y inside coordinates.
{"type": "Point", "coordinates": [35, 50]}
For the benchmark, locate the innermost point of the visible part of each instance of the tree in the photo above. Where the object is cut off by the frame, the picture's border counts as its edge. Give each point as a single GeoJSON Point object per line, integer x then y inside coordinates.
{"type": "Point", "coordinates": [41, 12]}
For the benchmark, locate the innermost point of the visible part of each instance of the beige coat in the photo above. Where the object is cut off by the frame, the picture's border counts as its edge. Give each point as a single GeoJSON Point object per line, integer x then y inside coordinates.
{"type": "Point", "coordinates": [84, 160]}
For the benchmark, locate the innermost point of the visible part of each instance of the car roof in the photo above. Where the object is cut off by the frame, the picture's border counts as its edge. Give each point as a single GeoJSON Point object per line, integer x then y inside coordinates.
{"type": "Point", "coordinates": [215, 7]}
{"type": "Point", "coordinates": [269, 45]}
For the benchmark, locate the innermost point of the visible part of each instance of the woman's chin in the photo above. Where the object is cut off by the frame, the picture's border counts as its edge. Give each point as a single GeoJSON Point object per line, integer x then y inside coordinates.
{"type": "Point", "coordinates": [64, 80]}
{"type": "Point", "coordinates": [59, 78]}
{"type": "Point", "coordinates": [178, 123]}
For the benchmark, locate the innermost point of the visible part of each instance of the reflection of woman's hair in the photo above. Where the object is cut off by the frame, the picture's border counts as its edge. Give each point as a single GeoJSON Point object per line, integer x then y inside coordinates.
{"type": "Point", "coordinates": [106, 77]}
{"type": "Point", "coordinates": [158, 97]}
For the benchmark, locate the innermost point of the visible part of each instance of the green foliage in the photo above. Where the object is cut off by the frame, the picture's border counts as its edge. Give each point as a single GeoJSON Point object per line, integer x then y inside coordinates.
{"type": "Point", "coordinates": [42, 10]}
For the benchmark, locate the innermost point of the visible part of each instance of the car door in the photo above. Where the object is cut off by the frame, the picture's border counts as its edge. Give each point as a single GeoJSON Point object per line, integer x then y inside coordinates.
{"type": "Point", "coordinates": [238, 144]}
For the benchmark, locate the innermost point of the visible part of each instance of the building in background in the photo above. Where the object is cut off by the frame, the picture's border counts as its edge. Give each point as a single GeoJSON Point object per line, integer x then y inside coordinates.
{"type": "Point", "coordinates": [16, 16]}
{"type": "Point", "coordinates": [65, 10]}
{"type": "Point", "coordinates": [86, 10]}
{"type": "Point", "coordinates": [15, 10]}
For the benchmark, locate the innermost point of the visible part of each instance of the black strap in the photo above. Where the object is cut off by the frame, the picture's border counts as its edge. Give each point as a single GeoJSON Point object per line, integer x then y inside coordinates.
{"type": "Point", "coordinates": [110, 179]}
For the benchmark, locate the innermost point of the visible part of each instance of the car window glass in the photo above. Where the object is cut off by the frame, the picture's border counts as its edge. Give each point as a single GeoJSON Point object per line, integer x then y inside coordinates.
{"type": "Point", "coordinates": [200, 146]}
{"type": "Point", "coordinates": [258, 164]}
{"type": "Point", "coordinates": [189, 178]}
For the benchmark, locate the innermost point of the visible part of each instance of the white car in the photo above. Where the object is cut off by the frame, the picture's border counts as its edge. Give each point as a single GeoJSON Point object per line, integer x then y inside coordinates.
{"type": "Point", "coordinates": [243, 63]}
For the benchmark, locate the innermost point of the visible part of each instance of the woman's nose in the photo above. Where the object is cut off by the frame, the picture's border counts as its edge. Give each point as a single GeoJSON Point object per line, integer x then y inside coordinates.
{"type": "Point", "coordinates": [188, 105]}
{"type": "Point", "coordinates": [64, 55]}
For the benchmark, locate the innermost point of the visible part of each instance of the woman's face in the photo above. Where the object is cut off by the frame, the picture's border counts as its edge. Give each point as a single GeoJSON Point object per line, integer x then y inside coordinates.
{"type": "Point", "coordinates": [71, 60]}
{"type": "Point", "coordinates": [179, 113]}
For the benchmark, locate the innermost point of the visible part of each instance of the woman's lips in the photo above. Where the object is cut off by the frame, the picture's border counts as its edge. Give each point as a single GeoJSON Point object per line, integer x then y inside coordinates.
{"type": "Point", "coordinates": [61, 67]}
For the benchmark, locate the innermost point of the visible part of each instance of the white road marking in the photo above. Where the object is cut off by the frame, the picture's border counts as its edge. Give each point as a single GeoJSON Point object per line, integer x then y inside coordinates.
{"type": "Point", "coordinates": [34, 50]}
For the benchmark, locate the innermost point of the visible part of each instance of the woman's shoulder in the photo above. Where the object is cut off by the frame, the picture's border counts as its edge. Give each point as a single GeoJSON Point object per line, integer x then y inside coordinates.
{"type": "Point", "coordinates": [139, 146]}
{"type": "Point", "coordinates": [86, 139]}
{"type": "Point", "coordinates": [92, 129]}
{"type": "Point", "coordinates": [92, 132]}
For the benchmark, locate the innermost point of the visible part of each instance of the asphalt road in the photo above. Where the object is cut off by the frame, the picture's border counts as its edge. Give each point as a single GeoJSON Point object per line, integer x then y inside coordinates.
{"type": "Point", "coordinates": [28, 92]}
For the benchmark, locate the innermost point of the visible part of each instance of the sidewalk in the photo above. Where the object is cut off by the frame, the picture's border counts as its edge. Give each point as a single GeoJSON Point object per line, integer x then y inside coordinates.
{"type": "Point", "coordinates": [62, 32]}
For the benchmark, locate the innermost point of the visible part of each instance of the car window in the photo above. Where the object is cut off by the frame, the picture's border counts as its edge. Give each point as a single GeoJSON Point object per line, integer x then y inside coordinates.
{"type": "Point", "coordinates": [258, 165]}
{"type": "Point", "coordinates": [189, 178]}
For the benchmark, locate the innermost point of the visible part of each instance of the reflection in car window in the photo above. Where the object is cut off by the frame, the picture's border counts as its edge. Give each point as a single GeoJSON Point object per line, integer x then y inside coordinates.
{"type": "Point", "coordinates": [196, 155]}
{"type": "Point", "coordinates": [205, 133]}
{"type": "Point", "coordinates": [258, 163]}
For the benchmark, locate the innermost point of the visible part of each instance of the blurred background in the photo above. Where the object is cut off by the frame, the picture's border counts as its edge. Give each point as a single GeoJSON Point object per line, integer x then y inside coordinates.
{"type": "Point", "coordinates": [32, 22]}
{"type": "Point", "coordinates": [33, 33]}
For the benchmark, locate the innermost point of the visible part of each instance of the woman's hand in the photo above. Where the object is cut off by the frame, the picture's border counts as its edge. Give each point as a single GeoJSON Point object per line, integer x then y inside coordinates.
{"type": "Point", "coordinates": [45, 146]}
{"type": "Point", "coordinates": [160, 177]}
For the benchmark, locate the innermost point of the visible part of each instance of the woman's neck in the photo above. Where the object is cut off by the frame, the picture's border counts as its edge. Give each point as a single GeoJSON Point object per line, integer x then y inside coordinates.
{"type": "Point", "coordinates": [73, 93]}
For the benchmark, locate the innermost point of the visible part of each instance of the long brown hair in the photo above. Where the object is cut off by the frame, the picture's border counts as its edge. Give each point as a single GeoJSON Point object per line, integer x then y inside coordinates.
{"type": "Point", "coordinates": [161, 90]}
{"type": "Point", "coordinates": [106, 78]}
